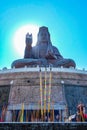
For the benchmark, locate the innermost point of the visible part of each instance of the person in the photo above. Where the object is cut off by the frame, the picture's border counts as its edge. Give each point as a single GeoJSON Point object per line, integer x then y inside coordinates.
{"type": "Point", "coordinates": [8, 116]}
{"type": "Point", "coordinates": [57, 117]}
{"type": "Point", "coordinates": [43, 54]}
{"type": "Point", "coordinates": [3, 113]}
{"type": "Point", "coordinates": [80, 115]}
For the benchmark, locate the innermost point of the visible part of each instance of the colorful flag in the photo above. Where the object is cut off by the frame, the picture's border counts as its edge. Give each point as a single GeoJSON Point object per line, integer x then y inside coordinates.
{"type": "Point", "coordinates": [45, 89]}
{"type": "Point", "coordinates": [49, 91]}
{"type": "Point", "coordinates": [41, 94]}
{"type": "Point", "coordinates": [22, 113]}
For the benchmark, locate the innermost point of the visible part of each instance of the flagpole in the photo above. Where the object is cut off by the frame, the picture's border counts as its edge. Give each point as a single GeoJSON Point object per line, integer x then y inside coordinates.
{"type": "Point", "coordinates": [53, 109]}
{"type": "Point", "coordinates": [49, 92]}
{"type": "Point", "coordinates": [38, 109]}
{"type": "Point", "coordinates": [45, 93]}
{"type": "Point", "coordinates": [22, 113]}
{"type": "Point", "coordinates": [41, 90]}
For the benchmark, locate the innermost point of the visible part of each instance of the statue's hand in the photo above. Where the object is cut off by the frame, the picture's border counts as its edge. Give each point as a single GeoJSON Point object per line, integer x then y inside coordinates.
{"type": "Point", "coordinates": [50, 55]}
{"type": "Point", "coordinates": [28, 39]}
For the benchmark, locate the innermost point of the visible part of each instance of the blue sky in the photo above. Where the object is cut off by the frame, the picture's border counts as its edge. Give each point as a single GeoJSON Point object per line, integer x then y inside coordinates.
{"type": "Point", "coordinates": [66, 20]}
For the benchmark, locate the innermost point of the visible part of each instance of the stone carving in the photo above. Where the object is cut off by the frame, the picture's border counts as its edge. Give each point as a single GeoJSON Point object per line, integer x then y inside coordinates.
{"type": "Point", "coordinates": [28, 47]}
{"type": "Point", "coordinates": [43, 54]}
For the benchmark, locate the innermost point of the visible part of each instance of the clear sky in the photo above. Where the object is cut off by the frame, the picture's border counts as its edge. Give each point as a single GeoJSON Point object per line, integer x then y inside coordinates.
{"type": "Point", "coordinates": [66, 20]}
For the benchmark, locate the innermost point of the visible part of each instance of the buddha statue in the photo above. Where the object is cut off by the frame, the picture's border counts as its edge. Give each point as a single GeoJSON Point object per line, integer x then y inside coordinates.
{"type": "Point", "coordinates": [43, 54]}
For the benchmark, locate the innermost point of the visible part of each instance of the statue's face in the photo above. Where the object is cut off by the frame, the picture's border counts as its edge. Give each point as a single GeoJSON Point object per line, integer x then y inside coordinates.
{"type": "Point", "coordinates": [43, 37]}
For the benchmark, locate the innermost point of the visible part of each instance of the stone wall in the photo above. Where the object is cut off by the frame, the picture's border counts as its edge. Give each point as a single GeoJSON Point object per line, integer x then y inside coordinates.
{"type": "Point", "coordinates": [25, 86]}
{"type": "Point", "coordinates": [4, 95]}
{"type": "Point", "coordinates": [75, 94]}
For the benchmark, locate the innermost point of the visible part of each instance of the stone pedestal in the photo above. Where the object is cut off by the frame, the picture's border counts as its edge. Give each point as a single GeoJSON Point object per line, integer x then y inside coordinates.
{"type": "Point", "coordinates": [24, 86]}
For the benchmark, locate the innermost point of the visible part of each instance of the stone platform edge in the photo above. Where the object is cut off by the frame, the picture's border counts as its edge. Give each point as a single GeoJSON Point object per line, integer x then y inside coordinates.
{"type": "Point", "coordinates": [43, 126]}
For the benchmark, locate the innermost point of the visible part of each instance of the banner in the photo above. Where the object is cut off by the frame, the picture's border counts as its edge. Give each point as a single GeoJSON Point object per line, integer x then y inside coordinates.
{"type": "Point", "coordinates": [49, 91]}
{"type": "Point", "coordinates": [22, 113]}
{"type": "Point", "coordinates": [41, 94]}
{"type": "Point", "coordinates": [45, 89]}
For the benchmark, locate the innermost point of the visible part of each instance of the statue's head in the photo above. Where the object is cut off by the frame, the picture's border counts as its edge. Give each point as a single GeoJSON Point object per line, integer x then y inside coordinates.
{"type": "Point", "coordinates": [43, 35]}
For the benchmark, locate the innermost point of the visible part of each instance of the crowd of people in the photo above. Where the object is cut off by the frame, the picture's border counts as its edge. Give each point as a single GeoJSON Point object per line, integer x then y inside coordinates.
{"type": "Point", "coordinates": [28, 115]}
{"type": "Point", "coordinates": [35, 115]}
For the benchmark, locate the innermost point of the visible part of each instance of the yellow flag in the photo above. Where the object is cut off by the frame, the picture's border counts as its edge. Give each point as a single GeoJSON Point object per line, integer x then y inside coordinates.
{"type": "Point", "coordinates": [49, 92]}
{"type": "Point", "coordinates": [45, 89]}
{"type": "Point", "coordinates": [22, 113]}
{"type": "Point", "coordinates": [41, 91]}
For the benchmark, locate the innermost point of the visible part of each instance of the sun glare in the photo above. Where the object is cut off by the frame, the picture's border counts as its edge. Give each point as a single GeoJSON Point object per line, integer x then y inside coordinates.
{"type": "Point", "coordinates": [19, 37]}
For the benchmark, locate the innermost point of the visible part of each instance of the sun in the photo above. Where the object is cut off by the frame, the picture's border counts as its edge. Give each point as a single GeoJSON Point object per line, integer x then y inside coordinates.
{"type": "Point", "coordinates": [19, 38]}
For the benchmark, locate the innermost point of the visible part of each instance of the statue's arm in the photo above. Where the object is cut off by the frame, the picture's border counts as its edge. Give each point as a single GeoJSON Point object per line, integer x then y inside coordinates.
{"type": "Point", "coordinates": [50, 54]}
{"type": "Point", "coordinates": [57, 53]}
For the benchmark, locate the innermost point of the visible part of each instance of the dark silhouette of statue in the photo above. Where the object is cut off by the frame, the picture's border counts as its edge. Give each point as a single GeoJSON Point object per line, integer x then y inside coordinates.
{"type": "Point", "coordinates": [43, 54]}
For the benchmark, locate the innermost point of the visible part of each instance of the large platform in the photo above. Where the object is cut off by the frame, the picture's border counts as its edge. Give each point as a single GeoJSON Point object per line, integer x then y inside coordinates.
{"type": "Point", "coordinates": [43, 126]}
{"type": "Point", "coordinates": [68, 88]}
